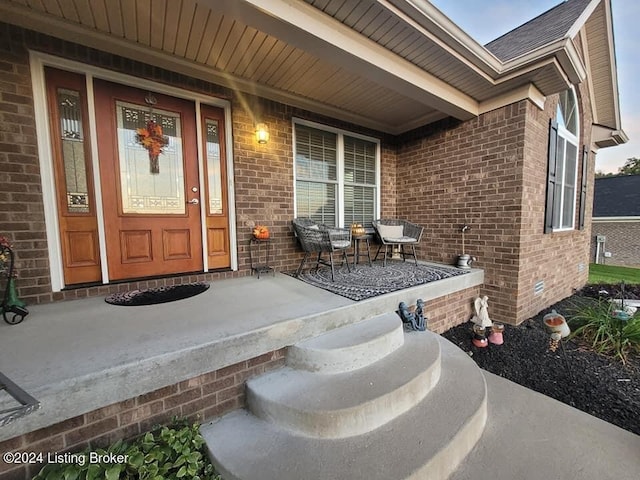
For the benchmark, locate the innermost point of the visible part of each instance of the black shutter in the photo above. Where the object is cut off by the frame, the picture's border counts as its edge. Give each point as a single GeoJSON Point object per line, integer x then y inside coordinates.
{"type": "Point", "coordinates": [551, 176]}
{"type": "Point", "coordinates": [583, 192]}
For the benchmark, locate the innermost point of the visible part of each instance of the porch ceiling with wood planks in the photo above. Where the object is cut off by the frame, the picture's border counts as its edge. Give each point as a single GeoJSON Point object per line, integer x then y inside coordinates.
{"type": "Point", "coordinates": [391, 65]}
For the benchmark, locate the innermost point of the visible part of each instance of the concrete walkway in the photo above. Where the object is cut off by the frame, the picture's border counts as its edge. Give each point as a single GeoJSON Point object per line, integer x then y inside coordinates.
{"type": "Point", "coordinates": [530, 436]}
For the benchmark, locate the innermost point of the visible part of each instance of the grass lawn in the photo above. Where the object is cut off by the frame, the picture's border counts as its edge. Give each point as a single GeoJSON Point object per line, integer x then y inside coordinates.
{"type": "Point", "coordinates": [611, 274]}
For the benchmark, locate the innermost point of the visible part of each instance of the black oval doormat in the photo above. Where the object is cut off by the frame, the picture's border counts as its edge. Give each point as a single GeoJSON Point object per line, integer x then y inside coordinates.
{"type": "Point", "coordinates": [134, 298]}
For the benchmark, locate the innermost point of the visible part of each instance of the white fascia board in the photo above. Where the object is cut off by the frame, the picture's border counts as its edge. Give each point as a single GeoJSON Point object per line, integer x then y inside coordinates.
{"type": "Point", "coordinates": [311, 30]}
{"type": "Point", "coordinates": [612, 62]}
{"type": "Point", "coordinates": [604, 137]}
{"type": "Point", "coordinates": [528, 92]}
{"type": "Point", "coordinates": [584, 16]}
{"type": "Point", "coordinates": [425, 18]}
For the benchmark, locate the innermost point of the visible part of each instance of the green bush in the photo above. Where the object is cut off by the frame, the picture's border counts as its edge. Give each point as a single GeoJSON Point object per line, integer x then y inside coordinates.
{"type": "Point", "coordinates": [174, 452]}
{"type": "Point", "coordinates": [607, 334]}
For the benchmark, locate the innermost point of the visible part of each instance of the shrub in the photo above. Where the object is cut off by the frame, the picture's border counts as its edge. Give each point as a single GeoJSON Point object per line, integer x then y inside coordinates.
{"type": "Point", "coordinates": [596, 323]}
{"type": "Point", "coordinates": [174, 452]}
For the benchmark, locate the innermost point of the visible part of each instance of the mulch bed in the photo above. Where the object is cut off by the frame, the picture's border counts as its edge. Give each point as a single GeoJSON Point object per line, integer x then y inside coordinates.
{"type": "Point", "coordinates": [596, 384]}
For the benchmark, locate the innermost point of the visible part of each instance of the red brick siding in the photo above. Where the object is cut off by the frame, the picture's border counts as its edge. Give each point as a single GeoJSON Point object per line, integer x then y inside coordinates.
{"type": "Point", "coordinates": [21, 206]}
{"type": "Point", "coordinates": [469, 173]}
{"type": "Point", "coordinates": [490, 173]}
{"type": "Point", "coordinates": [199, 399]}
{"type": "Point", "coordinates": [623, 241]}
{"type": "Point", "coordinates": [263, 173]}
{"type": "Point", "coordinates": [559, 259]}
{"type": "Point", "coordinates": [451, 310]}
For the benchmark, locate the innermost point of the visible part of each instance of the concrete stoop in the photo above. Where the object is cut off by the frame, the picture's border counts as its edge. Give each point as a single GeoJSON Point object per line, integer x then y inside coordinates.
{"type": "Point", "coordinates": [364, 401]}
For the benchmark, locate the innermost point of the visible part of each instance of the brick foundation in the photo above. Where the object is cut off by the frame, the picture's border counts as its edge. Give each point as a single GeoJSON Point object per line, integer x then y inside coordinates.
{"type": "Point", "coordinates": [198, 399]}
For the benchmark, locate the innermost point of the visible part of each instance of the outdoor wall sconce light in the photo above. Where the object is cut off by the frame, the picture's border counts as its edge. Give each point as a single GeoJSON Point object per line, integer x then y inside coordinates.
{"type": "Point", "coordinates": [262, 133]}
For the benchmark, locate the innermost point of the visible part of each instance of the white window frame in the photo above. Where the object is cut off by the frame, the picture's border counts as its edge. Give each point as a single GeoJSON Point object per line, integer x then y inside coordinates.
{"type": "Point", "coordinates": [572, 138]}
{"type": "Point", "coordinates": [340, 133]}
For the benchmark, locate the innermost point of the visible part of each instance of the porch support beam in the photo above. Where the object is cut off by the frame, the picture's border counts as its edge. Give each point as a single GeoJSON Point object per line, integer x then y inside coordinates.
{"type": "Point", "coordinates": [330, 40]}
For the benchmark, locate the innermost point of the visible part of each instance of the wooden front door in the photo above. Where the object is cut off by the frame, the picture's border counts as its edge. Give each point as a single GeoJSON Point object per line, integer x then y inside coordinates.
{"type": "Point", "coordinates": [152, 217]}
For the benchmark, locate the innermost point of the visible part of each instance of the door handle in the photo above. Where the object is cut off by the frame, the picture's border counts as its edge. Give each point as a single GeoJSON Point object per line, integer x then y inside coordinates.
{"type": "Point", "coordinates": [194, 201]}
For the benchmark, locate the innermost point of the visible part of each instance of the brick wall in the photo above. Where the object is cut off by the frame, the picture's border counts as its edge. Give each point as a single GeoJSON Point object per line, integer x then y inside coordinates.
{"type": "Point", "coordinates": [490, 173]}
{"type": "Point", "coordinates": [21, 207]}
{"type": "Point", "coordinates": [454, 173]}
{"type": "Point", "coordinates": [263, 173]}
{"type": "Point", "coordinates": [559, 259]}
{"type": "Point", "coordinates": [451, 310]}
{"type": "Point", "coordinates": [623, 241]}
{"type": "Point", "coordinates": [198, 399]}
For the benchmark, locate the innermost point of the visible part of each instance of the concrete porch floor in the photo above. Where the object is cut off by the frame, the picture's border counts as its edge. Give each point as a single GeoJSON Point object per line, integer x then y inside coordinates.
{"type": "Point", "coordinates": [80, 355]}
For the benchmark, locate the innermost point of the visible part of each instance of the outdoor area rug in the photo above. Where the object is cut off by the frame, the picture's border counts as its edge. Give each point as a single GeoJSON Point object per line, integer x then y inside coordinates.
{"type": "Point", "coordinates": [366, 282]}
{"type": "Point", "coordinates": [152, 296]}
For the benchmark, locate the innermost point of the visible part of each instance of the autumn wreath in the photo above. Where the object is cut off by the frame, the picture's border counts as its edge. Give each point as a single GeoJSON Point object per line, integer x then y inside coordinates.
{"type": "Point", "coordinates": [151, 138]}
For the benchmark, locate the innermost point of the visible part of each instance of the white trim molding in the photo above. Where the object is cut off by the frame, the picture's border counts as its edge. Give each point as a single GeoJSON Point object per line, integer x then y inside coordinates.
{"type": "Point", "coordinates": [38, 61]}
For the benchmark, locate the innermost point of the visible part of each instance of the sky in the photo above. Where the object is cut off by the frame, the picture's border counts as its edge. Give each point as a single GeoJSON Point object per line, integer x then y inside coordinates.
{"type": "Point", "coordinates": [488, 19]}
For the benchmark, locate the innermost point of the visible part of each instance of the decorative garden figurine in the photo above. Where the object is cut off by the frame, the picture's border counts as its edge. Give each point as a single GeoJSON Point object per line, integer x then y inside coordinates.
{"type": "Point", "coordinates": [421, 320]}
{"type": "Point", "coordinates": [482, 312]}
{"type": "Point", "coordinates": [12, 308]}
{"type": "Point", "coordinates": [556, 323]}
{"type": "Point", "coordinates": [414, 320]}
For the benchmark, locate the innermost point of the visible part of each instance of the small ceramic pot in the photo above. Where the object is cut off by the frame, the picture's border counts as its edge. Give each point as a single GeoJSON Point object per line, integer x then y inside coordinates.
{"type": "Point", "coordinates": [496, 335]}
{"type": "Point", "coordinates": [479, 337]}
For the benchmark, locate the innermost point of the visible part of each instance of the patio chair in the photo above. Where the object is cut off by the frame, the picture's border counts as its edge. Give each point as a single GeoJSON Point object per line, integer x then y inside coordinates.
{"type": "Point", "coordinates": [401, 233]}
{"type": "Point", "coordinates": [318, 238]}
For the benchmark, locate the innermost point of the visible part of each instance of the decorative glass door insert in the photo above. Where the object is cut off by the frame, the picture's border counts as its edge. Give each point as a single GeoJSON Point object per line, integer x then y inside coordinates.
{"type": "Point", "coordinates": [144, 192]}
{"type": "Point", "coordinates": [213, 167]}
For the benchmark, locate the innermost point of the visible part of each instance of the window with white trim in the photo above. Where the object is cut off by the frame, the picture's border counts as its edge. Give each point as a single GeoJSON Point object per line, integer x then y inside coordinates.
{"type": "Point", "coordinates": [336, 175]}
{"type": "Point", "coordinates": [563, 165]}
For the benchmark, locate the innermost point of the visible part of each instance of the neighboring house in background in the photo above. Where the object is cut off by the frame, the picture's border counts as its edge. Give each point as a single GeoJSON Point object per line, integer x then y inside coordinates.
{"type": "Point", "coordinates": [374, 109]}
{"type": "Point", "coordinates": [615, 230]}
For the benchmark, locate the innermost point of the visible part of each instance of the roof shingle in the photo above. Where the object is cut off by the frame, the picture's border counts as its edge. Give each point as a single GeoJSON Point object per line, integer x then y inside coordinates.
{"type": "Point", "coordinates": [546, 28]}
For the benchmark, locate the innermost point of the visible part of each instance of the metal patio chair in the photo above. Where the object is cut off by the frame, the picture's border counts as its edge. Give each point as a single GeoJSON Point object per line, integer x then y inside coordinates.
{"type": "Point", "coordinates": [320, 239]}
{"type": "Point", "coordinates": [394, 232]}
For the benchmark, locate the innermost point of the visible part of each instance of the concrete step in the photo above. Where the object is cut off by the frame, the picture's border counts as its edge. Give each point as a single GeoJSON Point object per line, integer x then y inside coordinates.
{"type": "Point", "coordinates": [350, 403]}
{"type": "Point", "coordinates": [348, 348]}
{"type": "Point", "coordinates": [429, 441]}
